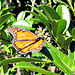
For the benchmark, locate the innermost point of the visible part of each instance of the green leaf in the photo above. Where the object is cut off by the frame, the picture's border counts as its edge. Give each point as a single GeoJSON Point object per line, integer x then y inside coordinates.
{"type": "Point", "coordinates": [8, 24]}
{"type": "Point", "coordinates": [37, 54]}
{"type": "Point", "coordinates": [31, 67]}
{"type": "Point", "coordinates": [21, 15]}
{"type": "Point", "coordinates": [6, 48]}
{"type": "Point", "coordinates": [58, 26]}
{"type": "Point", "coordinates": [6, 10]}
{"type": "Point", "coordinates": [4, 38]}
{"type": "Point", "coordinates": [61, 2]}
{"type": "Point", "coordinates": [4, 18]}
{"type": "Point", "coordinates": [3, 34]}
{"type": "Point", "coordinates": [67, 42]}
{"type": "Point", "coordinates": [13, 19]}
{"type": "Point", "coordinates": [1, 57]}
{"type": "Point", "coordinates": [50, 12]}
{"type": "Point", "coordinates": [22, 22]}
{"type": "Point", "coordinates": [60, 40]}
{"type": "Point", "coordinates": [29, 19]}
{"type": "Point", "coordinates": [40, 16]}
{"type": "Point", "coordinates": [35, 21]}
{"type": "Point", "coordinates": [54, 27]}
{"type": "Point", "coordinates": [5, 68]}
{"type": "Point", "coordinates": [61, 26]}
{"type": "Point", "coordinates": [64, 15]}
{"type": "Point", "coordinates": [42, 19]}
{"type": "Point", "coordinates": [15, 60]}
{"type": "Point", "coordinates": [36, 9]}
{"type": "Point", "coordinates": [3, 41]}
{"type": "Point", "coordinates": [25, 27]}
{"type": "Point", "coordinates": [62, 61]}
{"type": "Point", "coordinates": [72, 56]}
{"type": "Point", "coordinates": [59, 11]}
{"type": "Point", "coordinates": [73, 33]}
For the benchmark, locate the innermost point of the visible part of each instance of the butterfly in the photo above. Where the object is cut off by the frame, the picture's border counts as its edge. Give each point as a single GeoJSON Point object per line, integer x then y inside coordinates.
{"type": "Point", "coordinates": [25, 41]}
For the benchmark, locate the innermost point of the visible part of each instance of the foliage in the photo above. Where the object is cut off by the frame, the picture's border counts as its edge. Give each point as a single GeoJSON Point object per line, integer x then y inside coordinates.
{"type": "Point", "coordinates": [61, 27]}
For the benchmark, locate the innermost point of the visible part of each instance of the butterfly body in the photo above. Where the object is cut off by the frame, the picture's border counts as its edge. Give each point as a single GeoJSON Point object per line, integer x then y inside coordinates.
{"type": "Point", "coordinates": [25, 41]}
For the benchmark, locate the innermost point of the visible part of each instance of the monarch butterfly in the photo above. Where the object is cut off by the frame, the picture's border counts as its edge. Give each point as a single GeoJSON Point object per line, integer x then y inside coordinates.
{"type": "Point", "coordinates": [25, 41]}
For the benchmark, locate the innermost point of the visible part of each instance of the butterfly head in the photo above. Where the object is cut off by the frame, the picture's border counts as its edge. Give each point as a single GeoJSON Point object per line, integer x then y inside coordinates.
{"type": "Point", "coordinates": [39, 38]}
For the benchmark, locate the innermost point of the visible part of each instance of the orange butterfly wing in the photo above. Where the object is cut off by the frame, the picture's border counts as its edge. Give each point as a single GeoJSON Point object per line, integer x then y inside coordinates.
{"type": "Point", "coordinates": [25, 40]}
{"type": "Point", "coordinates": [21, 34]}
{"type": "Point", "coordinates": [33, 47]}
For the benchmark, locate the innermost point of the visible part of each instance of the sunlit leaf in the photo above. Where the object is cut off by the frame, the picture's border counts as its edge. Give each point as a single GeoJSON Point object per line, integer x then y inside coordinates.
{"type": "Point", "coordinates": [50, 12]}
{"type": "Point", "coordinates": [15, 60]}
{"type": "Point", "coordinates": [25, 27]}
{"type": "Point", "coordinates": [42, 19]}
{"type": "Point", "coordinates": [21, 15]}
{"type": "Point", "coordinates": [6, 48]}
{"type": "Point", "coordinates": [31, 67]}
{"type": "Point", "coordinates": [64, 15]}
{"type": "Point", "coordinates": [22, 22]}
{"type": "Point", "coordinates": [62, 61]}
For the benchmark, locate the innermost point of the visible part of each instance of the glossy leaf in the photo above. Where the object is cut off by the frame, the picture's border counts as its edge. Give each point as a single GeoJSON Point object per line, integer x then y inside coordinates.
{"type": "Point", "coordinates": [67, 43]}
{"type": "Point", "coordinates": [6, 48]}
{"type": "Point", "coordinates": [55, 27]}
{"type": "Point", "coordinates": [21, 15]}
{"type": "Point", "coordinates": [61, 26]}
{"type": "Point", "coordinates": [13, 19]}
{"type": "Point", "coordinates": [22, 22]}
{"type": "Point", "coordinates": [25, 27]}
{"type": "Point", "coordinates": [29, 19]}
{"type": "Point", "coordinates": [61, 2]}
{"type": "Point", "coordinates": [60, 40]}
{"type": "Point", "coordinates": [8, 24]}
{"type": "Point", "coordinates": [50, 12]}
{"type": "Point", "coordinates": [26, 65]}
{"type": "Point", "coordinates": [6, 10]}
{"type": "Point", "coordinates": [72, 55]}
{"type": "Point", "coordinates": [3, 34]}
{"type": "Point", "coordinates": [15, 60]}
{"type": "Point", "coordinates": [64, 15]}
{"type": "Point", "coordinates": [37, 10]}
{"type": "Point", "coordinates": [58, 26]}
{"type": "Point", "coordinates": [62, 61]}
{"type": "Point", "coordinates": [4, 18]}
{"type": "Point", "coordinates": [42, 19]}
